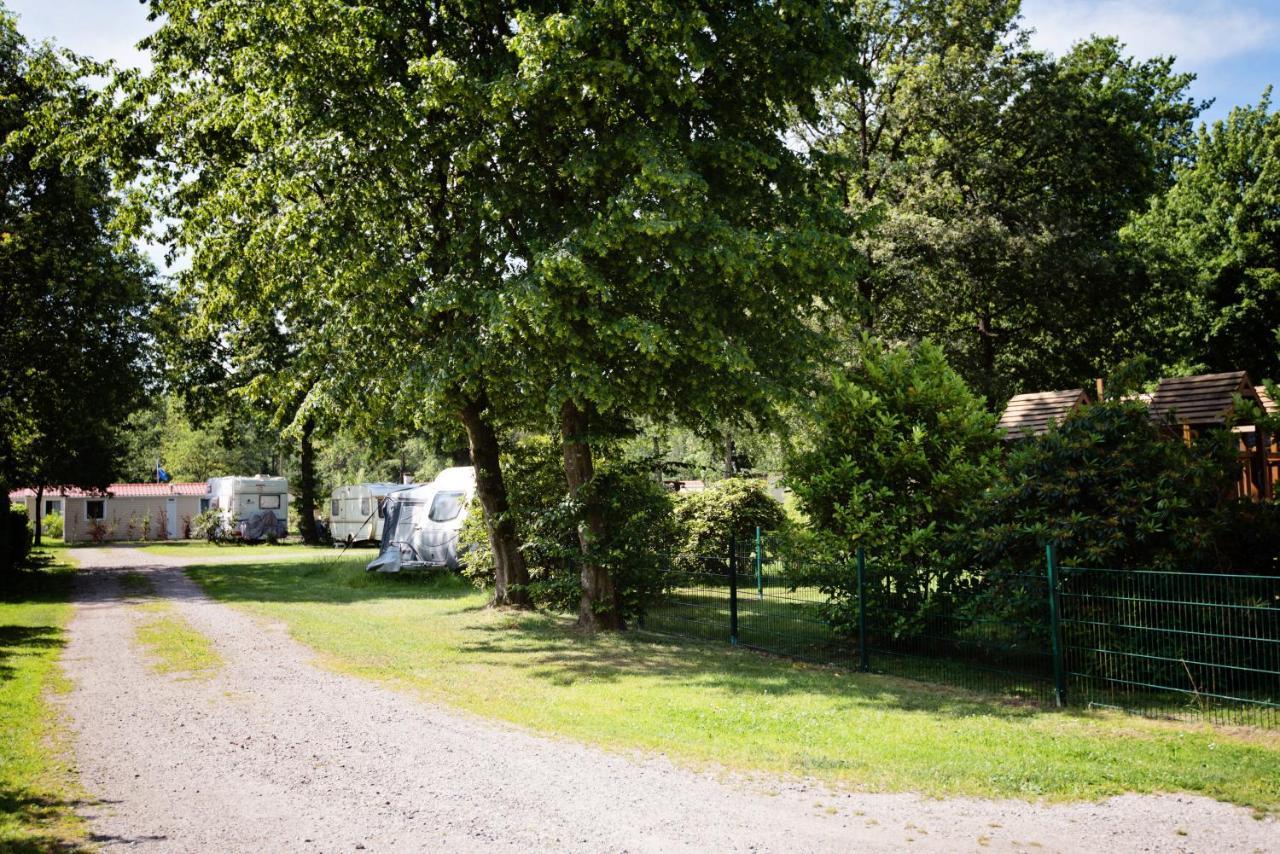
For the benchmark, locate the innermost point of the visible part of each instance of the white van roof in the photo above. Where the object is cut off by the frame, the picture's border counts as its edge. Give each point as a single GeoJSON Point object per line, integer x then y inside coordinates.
{"type": "Point", "coordinates": [458, 477]}
{"type": "Point", "coordinates": [257, 484]}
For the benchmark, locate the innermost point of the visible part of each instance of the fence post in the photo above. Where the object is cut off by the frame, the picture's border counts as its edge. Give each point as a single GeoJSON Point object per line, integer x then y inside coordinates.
{"type": "Point", "coordinates": [1055, 628]}
{"type": "Point", "coordinates": [759, 565]}
{"type": "Point", "coordinates": [864, 657]}
{"type": "Point", "coordinates": [733, 589]}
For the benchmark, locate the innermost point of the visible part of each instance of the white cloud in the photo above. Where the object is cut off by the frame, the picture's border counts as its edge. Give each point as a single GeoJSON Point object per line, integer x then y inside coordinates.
{"type": "Point", "coordinates": [1196, 33]}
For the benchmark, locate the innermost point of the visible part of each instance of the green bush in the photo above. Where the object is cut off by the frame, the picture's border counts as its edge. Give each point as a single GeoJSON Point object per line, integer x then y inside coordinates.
{"type": "Point", "coordinates": [896, 452]}
{"type": "Point", "coordinates": [209, 525]}
{"type": "Point", "coordinates": [1112, 489]}
{"type": "Point", "coordinates": [732, 507]}
{"type": "Point", "coordinates": [15, 542]}
{"type": "Point", "coordinates": [52, 526]}
{"type": "Point", "coordinates": [638, 517]}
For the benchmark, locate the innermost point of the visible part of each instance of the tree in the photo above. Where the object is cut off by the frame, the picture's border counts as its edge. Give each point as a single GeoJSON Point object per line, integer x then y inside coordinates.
{"type": "Point", "coordinates": [673, 246]}
{"type": "Point", "coordinates": [76, 302]}
{"type": "Point", "coordinates": [999, 178]}
{"type": "Point", "coordinates": [1212, 249]}
{"type": "Point", "coordinates": [896, 452]}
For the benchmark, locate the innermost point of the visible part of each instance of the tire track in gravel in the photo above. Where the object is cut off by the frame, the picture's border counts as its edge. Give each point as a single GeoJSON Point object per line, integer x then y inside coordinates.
{"type": "Point", "coordinates": [273, 753]}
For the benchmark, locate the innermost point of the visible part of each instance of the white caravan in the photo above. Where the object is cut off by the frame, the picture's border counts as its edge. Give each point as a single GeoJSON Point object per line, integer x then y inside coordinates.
{"type": "Point", "coordinates": [253, 508]}
{"type": "Point", "coordinates": [422, 523]}
{"type": "Point", "coordinates": [356, 512]}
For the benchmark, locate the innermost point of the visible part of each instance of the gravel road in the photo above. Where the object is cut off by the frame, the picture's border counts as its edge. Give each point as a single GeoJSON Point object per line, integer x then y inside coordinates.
{"type": "Point", "coordinates": [275, 754]}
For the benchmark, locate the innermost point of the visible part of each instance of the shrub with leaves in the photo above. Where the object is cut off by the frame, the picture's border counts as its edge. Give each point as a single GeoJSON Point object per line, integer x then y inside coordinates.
{"type": "Point", "coordinates": [53, 526]}
{"type": "Point", "coordinates": [897, 450]}
{"type": "Point", "coordinates": [209, 525]}
{"type": "Point", "coordinates": [735, 506]}
{"type": "Point", "coordinates": [638, 512]}
{"type": "Point", "coordinates": [1112, 489]}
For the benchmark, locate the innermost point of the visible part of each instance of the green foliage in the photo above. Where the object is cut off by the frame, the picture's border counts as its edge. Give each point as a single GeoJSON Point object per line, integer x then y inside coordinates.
{"type": "Point", "coordinates": [641, 528]}
{"type": "Point", "coordinates": [1112, 489]}
{"type": "Point", "coordinates": [15, 544]}
{"type": "Point", "coordinates": [732, 507]}
{"type": "Point", "coordinates": [1211, 247]}
{"type": "Point", "coordinates": [999, 178]}
{"type": "Point", "coordinates": [75, 297]}
{"type": "Point", "coordinates": [897, 450]}
{"type": "Point", "coordinates": [209, 525]}
{"type": "Point", "coordinates": [53, 525]}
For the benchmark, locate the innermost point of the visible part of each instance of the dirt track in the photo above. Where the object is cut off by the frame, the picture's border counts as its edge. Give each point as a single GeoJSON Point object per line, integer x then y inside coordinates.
{"type": "Point", "coordinates": [277, 754]}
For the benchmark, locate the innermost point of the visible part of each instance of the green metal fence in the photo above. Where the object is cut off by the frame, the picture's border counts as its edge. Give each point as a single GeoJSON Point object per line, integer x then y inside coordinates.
{"type": "Point", "coordinates": [1162, 643]}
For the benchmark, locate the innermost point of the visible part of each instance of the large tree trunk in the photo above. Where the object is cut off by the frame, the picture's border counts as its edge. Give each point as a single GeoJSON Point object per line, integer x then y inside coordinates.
{"type": "Point", "coordinates": [598, 608]}
{"type": "Point", "coordinates": [39, 510]}
{"type": "Point", "coordinates": [510, 572]}
{"type": "Point", "coordinates": [307, 464]}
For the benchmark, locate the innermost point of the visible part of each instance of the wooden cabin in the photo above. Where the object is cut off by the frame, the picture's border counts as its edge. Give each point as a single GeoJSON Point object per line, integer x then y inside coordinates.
{"type": "Point", "coordinates": [1195, 404]}
{"type": "Point", "coordinates": [1032, 414]}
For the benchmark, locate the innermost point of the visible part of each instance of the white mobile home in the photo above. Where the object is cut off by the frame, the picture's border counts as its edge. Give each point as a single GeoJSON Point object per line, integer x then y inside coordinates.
{"type": "Point", "coordinates": [253, 508]}
{"type": "Point", "coordinates": [356, 512]}
{"type": "Point", "coordinates": [422, 523]}
{"type": "Point", "coordinates": [123, 511]}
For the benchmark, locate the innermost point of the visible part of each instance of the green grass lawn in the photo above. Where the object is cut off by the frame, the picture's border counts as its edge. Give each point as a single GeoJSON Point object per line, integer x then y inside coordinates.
{"type": "Point", "coordinates": [37, 785]}
{"type": "Point", "coordinates": [201, 548]}
{"type": "Point", "coordinates": [710, 704]}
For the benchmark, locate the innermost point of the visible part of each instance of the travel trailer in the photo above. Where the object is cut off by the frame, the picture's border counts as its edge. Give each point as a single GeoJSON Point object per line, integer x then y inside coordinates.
{"type": "Point", "coordinates": [421, 524]}
{"type": "Point", "coordinates": [253, 508]}
{"type": "Point", "coordinates": [356, 512]}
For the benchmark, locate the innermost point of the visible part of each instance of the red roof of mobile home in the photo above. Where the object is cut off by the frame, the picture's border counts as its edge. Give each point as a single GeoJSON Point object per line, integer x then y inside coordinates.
{"type": "Point", "coordinates": [121, 490]}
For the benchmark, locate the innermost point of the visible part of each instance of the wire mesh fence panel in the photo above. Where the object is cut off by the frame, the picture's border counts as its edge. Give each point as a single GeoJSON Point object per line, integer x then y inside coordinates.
{"type": "Point", "coordinates": [694, 601]}
{"type": "Point", "coordinates": [1180, 644]}
{"type": "Point", "coordinates": [975, 632]}
{"type": "Point", "coordinates": [790, 607]}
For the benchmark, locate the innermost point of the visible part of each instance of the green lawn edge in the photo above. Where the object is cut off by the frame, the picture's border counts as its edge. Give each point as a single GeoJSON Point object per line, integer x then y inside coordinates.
{"type": "Point", "coordinates": [39, 790]}
{"type": "Point", "coordinates": [712, 706]}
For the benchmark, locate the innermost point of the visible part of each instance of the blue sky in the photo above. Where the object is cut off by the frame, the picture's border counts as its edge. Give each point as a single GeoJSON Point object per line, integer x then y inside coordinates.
{"type": "Point", "coordinates": [1233, 47]}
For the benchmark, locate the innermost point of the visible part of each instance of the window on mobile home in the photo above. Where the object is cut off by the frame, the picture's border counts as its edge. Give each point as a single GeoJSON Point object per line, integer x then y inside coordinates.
{"type": "Point", "coordinates": [446, 506]}
{"type": "Point", "coordinates": [269, 502]}
{"type": "Point", "coordinates": [95, 509]}
{"type": "Point", "coordinates": [335, 507]}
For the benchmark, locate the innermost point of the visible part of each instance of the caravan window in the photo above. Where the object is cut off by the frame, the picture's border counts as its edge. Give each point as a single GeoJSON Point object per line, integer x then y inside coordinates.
{"type": "Point", "coordinates": [269, 502]}
{"type": "Point", "coordinates": [364, 506]}
{"type": "Point", "coordinates": [335, 507]}
{"type": "Point", "coordinates": [446, 506]}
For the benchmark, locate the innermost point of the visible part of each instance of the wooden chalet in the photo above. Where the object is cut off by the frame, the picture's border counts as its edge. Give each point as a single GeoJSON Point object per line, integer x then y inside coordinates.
{"type": "Point", "coordinates": [1195, 404]}
{"type": "Point", "coordinates": [1187, 406]}
{"type": "Point", "coordinates": [1032, 414]}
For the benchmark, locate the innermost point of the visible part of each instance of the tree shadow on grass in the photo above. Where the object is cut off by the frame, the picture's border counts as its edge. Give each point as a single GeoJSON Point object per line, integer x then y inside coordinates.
{"type": "Point", "coordinates": [25, 640]}
{"type": "Point", "coordinates": [554, 652]}
{"type": "Point", "coordinates": [37, 815]}
{"type": "Point", "coordinates": [327, 580]}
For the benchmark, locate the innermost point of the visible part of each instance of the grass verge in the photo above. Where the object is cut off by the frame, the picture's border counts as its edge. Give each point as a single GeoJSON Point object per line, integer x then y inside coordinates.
{"type": "Point", "coordinates": [200, 548]}
{"type": "Point", "coordinates": [38, 787]}
{"type": "Point", "coordinates": [715, 705]}
{"type": "Point", "coordinates": [174, 646]}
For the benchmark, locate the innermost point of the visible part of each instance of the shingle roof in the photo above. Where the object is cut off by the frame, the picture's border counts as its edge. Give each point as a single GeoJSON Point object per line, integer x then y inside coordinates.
{"type": "Point", "coordinates": [1269, 405]}
{"type": "Point", "coordinates": [123, 490]}
{"type": "Point", "coordinates": [1206, 399]}
{"type": "Point", "coordinates": [1032, 414]}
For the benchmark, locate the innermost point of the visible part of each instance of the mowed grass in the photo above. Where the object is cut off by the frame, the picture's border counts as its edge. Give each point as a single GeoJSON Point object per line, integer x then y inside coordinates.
{"type": "Point", "coordinates": [172, 645]}
{"type": "Point", "coordinates": [712, 705]}
{"type": "Point", "coordinates": [201, 548]}
{"type": "Point", "coordinates": [37, 785]}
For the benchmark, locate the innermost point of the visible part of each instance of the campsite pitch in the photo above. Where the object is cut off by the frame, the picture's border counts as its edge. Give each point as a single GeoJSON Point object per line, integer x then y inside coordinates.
{"type": "Point", "coordinates": [273, 750]}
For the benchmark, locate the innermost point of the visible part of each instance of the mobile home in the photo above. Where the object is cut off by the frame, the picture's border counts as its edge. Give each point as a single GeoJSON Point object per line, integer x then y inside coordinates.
{"type": "Point", "coordinates": [356, 512]}
{"type": "Point", "coordinates": [253, 508]}
{"type": "Point", "coordinates": [123, 511]}
{"type": "Point", "coordinates": [422, 524]}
